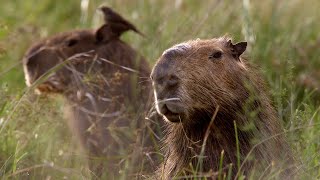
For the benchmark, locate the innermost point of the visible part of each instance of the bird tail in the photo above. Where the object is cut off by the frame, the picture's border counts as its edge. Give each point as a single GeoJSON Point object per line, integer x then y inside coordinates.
{"type": "Point", "coordinates": [117, 23]}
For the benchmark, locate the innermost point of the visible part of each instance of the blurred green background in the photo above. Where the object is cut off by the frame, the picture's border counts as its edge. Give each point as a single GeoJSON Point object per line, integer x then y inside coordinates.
{"type": "Point", "coordinates": [283, 38]}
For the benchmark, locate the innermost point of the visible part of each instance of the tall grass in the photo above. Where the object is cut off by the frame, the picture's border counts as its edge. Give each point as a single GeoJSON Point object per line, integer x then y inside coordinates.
{"type": "Point", "coordinates": [283, 40]}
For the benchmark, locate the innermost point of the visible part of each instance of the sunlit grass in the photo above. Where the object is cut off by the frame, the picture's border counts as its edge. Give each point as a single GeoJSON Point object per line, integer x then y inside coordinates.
{"type": "Point", "coordinates": [283, 40]}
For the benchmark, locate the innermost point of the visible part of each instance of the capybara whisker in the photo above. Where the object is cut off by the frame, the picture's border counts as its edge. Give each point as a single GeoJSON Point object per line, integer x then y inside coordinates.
{"type": "Point", "coordinates": [168, 99]}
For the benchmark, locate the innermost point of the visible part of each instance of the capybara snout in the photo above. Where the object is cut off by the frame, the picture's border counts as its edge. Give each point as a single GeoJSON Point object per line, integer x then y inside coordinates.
{"type": "Point", "coordinates": [52, 52]}
{"type": "Point", "coordinates": [166, 86]}
{"type": "Point", "coordinates": [35, 66]}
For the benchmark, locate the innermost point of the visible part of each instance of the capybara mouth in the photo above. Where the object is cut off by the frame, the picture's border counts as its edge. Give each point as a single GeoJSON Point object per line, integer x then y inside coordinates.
{"type": "Point", "coordinates": [48, 87]}
{"type": "Point", "coordinates": [172, 110]}
{"type": "Point", "coordinates": [171, 116]}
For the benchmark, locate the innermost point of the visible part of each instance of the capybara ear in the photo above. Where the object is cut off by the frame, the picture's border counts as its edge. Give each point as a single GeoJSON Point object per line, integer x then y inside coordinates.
{"type": "Point", "coordinates": [237, 49]}
{"type": "Point", "coordinates": [104, 33]}
{"type": "Point", "coordinates": [240, 47]}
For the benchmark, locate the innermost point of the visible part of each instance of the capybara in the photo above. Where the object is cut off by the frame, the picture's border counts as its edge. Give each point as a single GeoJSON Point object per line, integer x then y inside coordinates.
{"type": "Point", "coordinates": [219, 118]}
{"type": "Point", "coordinates": [104, 82]}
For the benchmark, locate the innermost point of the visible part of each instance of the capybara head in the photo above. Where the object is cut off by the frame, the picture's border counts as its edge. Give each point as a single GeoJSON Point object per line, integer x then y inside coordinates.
{"type": "Point", "coordinates": [210, 96]}
{"type": "Point", "coordinates": [195, 77]}
{"type": "Point", "coordinates": [77, 52]}
{"type": "Point", "coordinates": [50, 52]}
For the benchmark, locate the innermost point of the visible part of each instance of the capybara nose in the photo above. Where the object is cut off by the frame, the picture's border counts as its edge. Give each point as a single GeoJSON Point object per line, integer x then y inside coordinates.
{"type": "Point", "coordinates": [172, 80]}
{"type": "Point", "coordinates": [165, 86]}
{"type": "Point", "coordinates": [162, 77]}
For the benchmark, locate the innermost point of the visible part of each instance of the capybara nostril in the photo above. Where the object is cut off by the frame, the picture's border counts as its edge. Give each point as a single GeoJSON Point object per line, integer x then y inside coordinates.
{"type": "Point", "coordinates": [166, 80]}
{"type": "Point", "coordinates": [158, 76]}
{"type": "Point", "coordinates": [172, 80]}
{"type": "Point", "coordinates": [161, 72]}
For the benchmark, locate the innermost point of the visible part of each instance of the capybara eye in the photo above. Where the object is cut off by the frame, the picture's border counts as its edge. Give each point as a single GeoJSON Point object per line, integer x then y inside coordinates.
{"type": "Point", "coordinates": [72, 42]}
{"type": "Point", "coordinates": [215, 55]}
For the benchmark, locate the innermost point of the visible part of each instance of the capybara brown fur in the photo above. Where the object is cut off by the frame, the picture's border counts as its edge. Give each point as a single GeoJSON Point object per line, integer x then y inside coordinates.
{"type": "Point", "coordinates": [104, 82]}
{"type": "Point", "coordinates": [219, 118]}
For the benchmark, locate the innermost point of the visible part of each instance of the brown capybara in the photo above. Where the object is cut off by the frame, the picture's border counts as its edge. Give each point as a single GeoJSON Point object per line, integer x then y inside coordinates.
{"type": "Point", "coordinates": [103, 80]}
{"type": "Point", "coordinates": [219, 118]}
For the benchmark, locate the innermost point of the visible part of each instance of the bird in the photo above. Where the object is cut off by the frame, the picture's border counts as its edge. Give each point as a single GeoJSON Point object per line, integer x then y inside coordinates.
{"type": "Point", "coordinates": [117, 23]}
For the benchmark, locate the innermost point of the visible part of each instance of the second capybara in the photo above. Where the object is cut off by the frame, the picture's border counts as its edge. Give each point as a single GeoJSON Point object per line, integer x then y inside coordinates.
{"type": "Point", "coordinates": [219, 117]}
{"type": "Point", "coordinates": [104, 82]}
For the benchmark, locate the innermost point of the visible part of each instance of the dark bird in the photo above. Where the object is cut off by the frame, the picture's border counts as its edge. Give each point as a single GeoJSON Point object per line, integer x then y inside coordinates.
{"type": "Point", "coordinates": [117, 23]}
